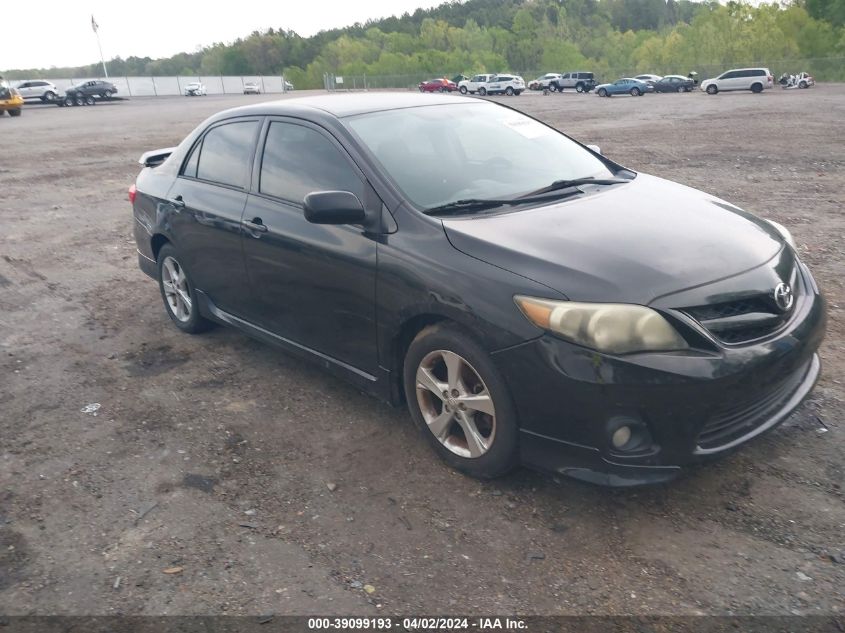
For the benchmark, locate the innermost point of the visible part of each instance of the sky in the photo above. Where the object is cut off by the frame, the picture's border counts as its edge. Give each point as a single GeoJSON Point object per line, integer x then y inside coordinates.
{"type": "Point", "coordinates": [39, 34]}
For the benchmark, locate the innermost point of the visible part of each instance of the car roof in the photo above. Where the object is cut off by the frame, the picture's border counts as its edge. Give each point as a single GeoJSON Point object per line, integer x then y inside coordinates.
{"type": "Point", "coordinates": [343, 105]}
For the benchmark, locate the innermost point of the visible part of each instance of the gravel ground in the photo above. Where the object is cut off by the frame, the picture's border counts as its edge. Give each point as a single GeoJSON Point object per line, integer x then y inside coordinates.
{"type": "Point", "coordinates": [222, 476]}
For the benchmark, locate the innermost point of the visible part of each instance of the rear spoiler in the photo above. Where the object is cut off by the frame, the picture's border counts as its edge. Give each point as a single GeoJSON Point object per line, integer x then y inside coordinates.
{"type": "Point", "coordinates": [155, 157]}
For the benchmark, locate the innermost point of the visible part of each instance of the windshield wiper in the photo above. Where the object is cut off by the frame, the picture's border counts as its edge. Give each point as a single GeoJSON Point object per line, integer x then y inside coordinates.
{"type": "Point", "coordinates": [575, 182]}
{"type": "Point", "coordinates": [480, 204]}
{"type": "Point", "coordinates": [563, 188]}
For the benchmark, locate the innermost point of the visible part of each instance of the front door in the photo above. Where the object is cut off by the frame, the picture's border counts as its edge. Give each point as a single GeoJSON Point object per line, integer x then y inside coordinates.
{"type": "Point", "coordinates": [312, 284]}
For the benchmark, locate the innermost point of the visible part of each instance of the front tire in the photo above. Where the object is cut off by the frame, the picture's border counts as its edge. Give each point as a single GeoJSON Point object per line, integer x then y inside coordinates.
{"type": "Point", "coordinates": [579, 87]}
{"type": "Point", "coordinates": [90, 100]}
{"type": "Point", "coordinates": [15, 112]}
{"type": "Point", "coordinates": [635, 92]}
{"type": "Point", "coordinates": [463, 90]}
{"type": "Point", "coordinates": [552, 88]}
{"type": "Point", "coordinates": [68, 101]}
{"type": "Point", "coordinates": [602, 92]}
{"type": "Point", "coordinates": [712, 89]}
{"type": "Point", "coordinates": [78, 100]}
{"type": "Point", "coordinates": [482, 91]}
{"type": "Point", "coordinates": [177, 292]}
{"type": "Point", "coordinates": [803, 84]}
{"type": "Point", "coordinates": [107, 94]}
{"type": "Point", "coordinates": [460, 401]}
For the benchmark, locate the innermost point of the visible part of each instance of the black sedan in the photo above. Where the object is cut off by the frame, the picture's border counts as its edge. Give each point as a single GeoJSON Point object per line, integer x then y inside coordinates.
{"type": "Point", "coordinates": [530, 300]}
{"type": "Point", "coordinates": [89, 89]}
{"type": "Point", "coordinates": [674, 83]}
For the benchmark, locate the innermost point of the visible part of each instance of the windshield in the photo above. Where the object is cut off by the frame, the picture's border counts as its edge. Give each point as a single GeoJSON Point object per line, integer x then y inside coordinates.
{"type": "Point", "coordinates": [442, 153]}
{"type": "Point", "coordinates": [5, 90]}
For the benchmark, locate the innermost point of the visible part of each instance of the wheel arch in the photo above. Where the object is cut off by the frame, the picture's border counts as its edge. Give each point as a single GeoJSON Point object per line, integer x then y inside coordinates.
{"type": "Point", "coordinates": [157, 241]}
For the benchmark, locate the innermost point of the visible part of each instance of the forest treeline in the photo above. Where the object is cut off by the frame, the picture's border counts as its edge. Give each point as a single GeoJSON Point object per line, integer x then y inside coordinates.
{"type": "Point", "coordinates": [605, 36]}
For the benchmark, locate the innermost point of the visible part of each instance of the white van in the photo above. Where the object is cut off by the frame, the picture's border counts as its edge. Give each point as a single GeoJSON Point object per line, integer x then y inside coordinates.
{"type": "Point", "coordinates": [753, 79]}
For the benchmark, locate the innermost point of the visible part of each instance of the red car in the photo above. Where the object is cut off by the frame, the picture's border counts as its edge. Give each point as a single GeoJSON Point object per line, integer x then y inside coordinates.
{"type": "Point", "coordinates": [438, 85]}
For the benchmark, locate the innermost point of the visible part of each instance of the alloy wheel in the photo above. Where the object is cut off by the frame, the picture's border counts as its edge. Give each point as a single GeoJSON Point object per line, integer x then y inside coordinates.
{"type": "Point", "coordinates": [176, 290]}
{"type": "Point", "coordinates": [455, 404]}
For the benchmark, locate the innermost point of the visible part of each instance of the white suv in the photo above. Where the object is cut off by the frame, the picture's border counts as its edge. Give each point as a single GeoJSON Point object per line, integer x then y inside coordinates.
{"type": "Point", "coordinates": [505, 84]}
{"type": "Point", "coordinates": [37, 89]}
{"type": "Point", "coordinates": [475, 84]}
{"type": "Point", "coordinates": [753, 79]}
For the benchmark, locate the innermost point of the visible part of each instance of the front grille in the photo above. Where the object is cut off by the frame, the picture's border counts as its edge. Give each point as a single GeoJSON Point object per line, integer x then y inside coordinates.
{"type": "Point", "coordinates": [746, 319]}
{"type": "Point", "coordinates": [736, 419]}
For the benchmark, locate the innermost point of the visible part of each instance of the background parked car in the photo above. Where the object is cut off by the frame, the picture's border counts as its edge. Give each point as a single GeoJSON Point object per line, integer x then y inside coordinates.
{"type": "Point", "coordinates": [438, 85]}
{"type": "Point", "coordinates": [10, 99]}
{"type": "Point", "coordinates": [626, 85]}
{"type": "Point", "coordinates": [93, 88]}
{"type": "Point", "coordinates": [477, 83]}
{"type": "Point", "coordinates": [506, 84]}
{"type": "Point", "coordinates": [753, 79]}
{"type": "Point", "coordinates": [195, 89]}
{"type": "Point", "coordinates": [252, 88]}
{"type": "Point", "coordinates": [649, 79]}
{"type": "Point", "coordinates": [541, 83]}
{"type": "Point", "coordinates": [581, 81]}
{"type": "Point", "coordinates": [37, 89]}
{"type": "Point", "coordinates": [801, 80]}
{"type": "Point", "coordinates": [288, 85]}
{"type": "Point", "coordinates": [674, 83]}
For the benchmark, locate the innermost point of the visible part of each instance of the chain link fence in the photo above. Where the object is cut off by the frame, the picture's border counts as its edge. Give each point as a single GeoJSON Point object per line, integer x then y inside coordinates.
{"type": "Point", "coordinates": [823, 69]}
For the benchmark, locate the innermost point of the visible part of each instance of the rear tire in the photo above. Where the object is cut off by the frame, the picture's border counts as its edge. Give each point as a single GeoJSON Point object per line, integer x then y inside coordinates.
{"type": "Point", "coordinates": [15, 112]}
{"type": "Point", "coordinates": [681, 89]}
{"type": "Point", "coordinates": [68, 101]}
{"type": "Point", "coordinates": [712, 89]}
{"type": "Point", "coordinates": [48, 96]}
{"type": "Point", "coordinates": [107, 94]}
{"type": "Point", "coordinates": [78, 100]}
{"type": "Point", "coordinates": [552, 88]}
{"type": "Point", "coordinates": [90, 100]}
{"type": "Point", "coordinates": [803, 84]}
{"type": "Point", "coordinates": [177, 292]}
{"type": "Point", "coordinates": [482, 91]}
{"type": "Point", "coordinates": [757, 88]}
{"type": "Point", "coordinates": [509, 91]}
{"type": "Point", "coordinates": [473, 428]}
{"type": "Point", "coordinates": [579, 87]}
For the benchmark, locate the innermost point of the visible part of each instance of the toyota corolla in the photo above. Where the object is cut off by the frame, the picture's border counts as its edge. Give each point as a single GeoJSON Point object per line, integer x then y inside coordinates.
{"type": "Point", "coordinates": [530, 300]}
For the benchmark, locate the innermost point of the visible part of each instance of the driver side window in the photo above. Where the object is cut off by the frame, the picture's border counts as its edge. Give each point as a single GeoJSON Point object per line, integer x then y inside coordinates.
{"type": "Point", "coordinates": [299, 160]}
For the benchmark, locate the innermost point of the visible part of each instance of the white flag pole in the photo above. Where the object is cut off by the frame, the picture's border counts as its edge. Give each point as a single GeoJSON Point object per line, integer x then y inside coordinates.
{"type": "Point", "coordinates": [96, 28]}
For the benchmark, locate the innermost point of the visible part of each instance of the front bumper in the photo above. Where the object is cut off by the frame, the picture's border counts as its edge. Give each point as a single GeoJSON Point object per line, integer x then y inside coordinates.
{"type": "Point", "coordinates": [570, 399]}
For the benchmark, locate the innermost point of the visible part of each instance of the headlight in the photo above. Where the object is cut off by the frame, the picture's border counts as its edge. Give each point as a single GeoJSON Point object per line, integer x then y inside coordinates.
{"type": "Point", "coordinates": [784, 232]}
{"type": "Point", "coordinates": [617, 328]}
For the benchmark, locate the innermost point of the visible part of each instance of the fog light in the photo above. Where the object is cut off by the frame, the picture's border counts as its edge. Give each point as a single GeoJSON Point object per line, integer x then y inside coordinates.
{"type": "Point", "coordinates": [621, 436]}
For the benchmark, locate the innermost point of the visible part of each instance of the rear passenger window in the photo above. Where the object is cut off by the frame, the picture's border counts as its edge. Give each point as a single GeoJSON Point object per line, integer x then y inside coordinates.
{"type": "Point", "coordinates": [226, 153]}
{"type": "Point", "coordinates": [299, 160]}
{"type": "Point", "coordinates": [191, 166]}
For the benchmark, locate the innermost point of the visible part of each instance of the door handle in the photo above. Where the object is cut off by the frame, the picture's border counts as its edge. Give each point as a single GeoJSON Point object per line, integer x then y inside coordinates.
{"type": "Point", "coordinates": [178, 203]}
{"type": "Point", "coordinates": [256, 224]}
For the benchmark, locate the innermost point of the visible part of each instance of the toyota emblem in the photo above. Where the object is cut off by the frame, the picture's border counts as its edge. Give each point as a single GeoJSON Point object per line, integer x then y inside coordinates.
{"type": "Point", "coordinates": [783, 296]}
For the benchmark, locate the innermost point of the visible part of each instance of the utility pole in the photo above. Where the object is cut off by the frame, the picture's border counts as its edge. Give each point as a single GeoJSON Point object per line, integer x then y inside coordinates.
{"type": "Point", "coordinates": [96, 28]}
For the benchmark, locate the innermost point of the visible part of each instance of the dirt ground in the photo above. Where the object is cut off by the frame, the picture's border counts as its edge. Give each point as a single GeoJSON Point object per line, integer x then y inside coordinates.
{"type": "Point", "coordinates": [266, 486]}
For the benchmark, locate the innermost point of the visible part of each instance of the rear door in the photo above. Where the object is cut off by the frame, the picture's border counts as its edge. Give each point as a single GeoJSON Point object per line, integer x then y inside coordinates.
{"type": "Point", "coordinates": [311, 284]}
{"type": "Point", "coordinates": [207, 203]}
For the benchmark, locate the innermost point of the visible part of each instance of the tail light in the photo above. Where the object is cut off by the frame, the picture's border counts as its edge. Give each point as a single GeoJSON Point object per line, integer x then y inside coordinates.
{"type": "Point", "coordinates": [132, 192]}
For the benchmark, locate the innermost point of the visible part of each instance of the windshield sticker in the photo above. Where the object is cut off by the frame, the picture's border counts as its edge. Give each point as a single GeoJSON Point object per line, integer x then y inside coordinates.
{"type": "Point", "coordinates": [527, 127]}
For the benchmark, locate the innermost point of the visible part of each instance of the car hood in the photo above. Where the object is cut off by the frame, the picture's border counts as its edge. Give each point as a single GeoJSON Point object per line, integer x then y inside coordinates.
{"type": "Point", "coordinates": [629, 243]}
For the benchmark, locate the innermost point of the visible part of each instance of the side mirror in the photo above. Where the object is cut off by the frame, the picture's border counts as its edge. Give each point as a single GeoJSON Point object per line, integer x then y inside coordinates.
{"type": "Point", "coordinates": [333, 207]}
{"type": "Point", "coordinates": [595, 148]}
